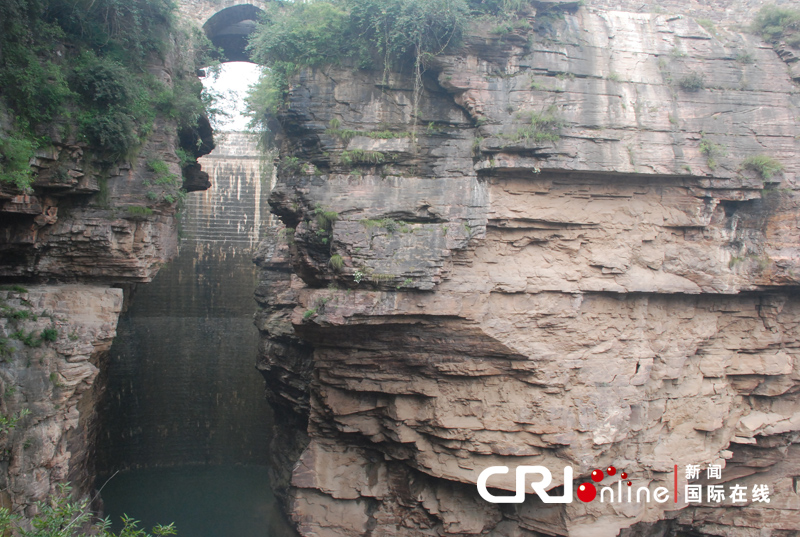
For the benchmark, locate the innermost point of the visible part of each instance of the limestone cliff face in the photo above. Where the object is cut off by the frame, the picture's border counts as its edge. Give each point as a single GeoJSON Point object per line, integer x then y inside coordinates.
{"type": "Point", "coordinates": [85, 229]}
{"type": "Point", "coordinates": [544, 265]}
{"type": "Point", "coordinates": [89, 220]}
{"type": "Point", "coordinates": [47, 378]}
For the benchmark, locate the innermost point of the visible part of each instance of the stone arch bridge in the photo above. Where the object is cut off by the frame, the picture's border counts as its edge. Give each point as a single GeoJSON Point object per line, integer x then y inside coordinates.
{"type": "Point", "coordinates": [226, 22]}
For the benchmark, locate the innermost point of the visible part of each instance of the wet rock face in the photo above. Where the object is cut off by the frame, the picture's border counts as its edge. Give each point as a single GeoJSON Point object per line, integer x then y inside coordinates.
{"type": "Point", "coordinates": [558, 257]}
{"type": "Point", "coordinates": [47, 378]}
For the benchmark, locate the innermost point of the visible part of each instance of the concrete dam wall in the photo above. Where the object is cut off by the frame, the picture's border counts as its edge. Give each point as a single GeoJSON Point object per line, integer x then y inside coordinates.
{"type": "Point", "coordinates": [182, 388]}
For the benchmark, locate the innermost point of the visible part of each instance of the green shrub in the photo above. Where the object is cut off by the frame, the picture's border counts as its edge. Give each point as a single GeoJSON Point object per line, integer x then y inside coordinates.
{"type": "Point", "coordinates": [186, 158]}
{"type": "Point", "coordinates": [359, 156]}
{"type": "Point", "coordinates": [29, 340]}
{"type": "Point", "coordinates": [6, 424]}
{"type": "Point", "coordinates": [113, 133]}
{"type": "Point", "coordinates": [389, 224]}
{"type": "Point", "coordinates": [5, 348]}
{"type": "Point", "coordinates": [185, 102]}
{"type": "Point", "coordinates": [325, 219]}
{"type": "Point", "coordinates": [14, 287]}
{"type": "Point", "coordinates": [507, 26]}
{"type": "Point", "coordinates": [15, 155]}
{"type": "Point", "coordinates": [380, 277]}
{"type": "Point", "coordinates": [544, 127]}
{"type": "Point", "coordinates": [345, 135]}
{"type": "Point", "coordinates": [103, 81]}
{"type": "Point", "coordinates": [264, 98]}
{"type": "Point", "coordinates": [712, 151]}
{"type": "Point", "coordinates": [676, 53]}
{"type": "Point", "coordinates": [290, 165]}
{"type": "Point", "coordinates": [61, 515]}
{"type": "Point", "coordinates": [49, 334]}
{"type": "Point", "coordinates": [138, 210]}
{"type": "Point", "coordinates": [170, 184]}
{"type": "Point", "coordinates": [161, 173]}
{"type": "Point", "coordinates": [776, 24]}
{"type": "Point", "coordinates": [337, 263]}
{"type": "Point", "coordinates": [708, 25]}
{"type": "Point", "coordinates": [692, 82]}
{"type": "Point", "coordinates": [17, 315]}
{"type": "Point", "coordinates": [115, 115]}
{"type": "Point", "coordinates": [765, 166]}
{"type": "Point", "coordinates": [406, 283]}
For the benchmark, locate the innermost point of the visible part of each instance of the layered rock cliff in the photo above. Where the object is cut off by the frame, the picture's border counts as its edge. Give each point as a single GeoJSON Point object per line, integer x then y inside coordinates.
{"type": "Point", "coordinates": [54, 340]}
{"type": "Point", "coordinates": [557, 250]}
{"type": "Point", "coordinates": [85, 229]}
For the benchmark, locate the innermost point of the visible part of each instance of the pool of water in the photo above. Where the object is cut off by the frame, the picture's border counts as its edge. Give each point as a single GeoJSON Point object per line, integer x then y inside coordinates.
{"type": "Point", "coordinates": [202, 501]}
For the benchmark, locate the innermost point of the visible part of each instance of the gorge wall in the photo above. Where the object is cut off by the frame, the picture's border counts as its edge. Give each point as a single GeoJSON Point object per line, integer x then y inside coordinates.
{"type": "Point", "coordinates": [561, 257]}
{"type": "Point", "coordinates": [69, 244]}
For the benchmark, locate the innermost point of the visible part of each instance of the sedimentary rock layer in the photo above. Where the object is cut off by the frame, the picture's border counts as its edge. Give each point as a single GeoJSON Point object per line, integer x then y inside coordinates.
{"type": "Point", "coordinates": [52, 339]}
{"type": "Point", "coordinates": [86, 220]}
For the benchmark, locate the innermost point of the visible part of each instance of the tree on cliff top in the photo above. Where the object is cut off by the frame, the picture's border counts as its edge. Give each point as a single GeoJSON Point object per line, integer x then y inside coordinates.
{"type": "Point", "coordinates": [382, 34]}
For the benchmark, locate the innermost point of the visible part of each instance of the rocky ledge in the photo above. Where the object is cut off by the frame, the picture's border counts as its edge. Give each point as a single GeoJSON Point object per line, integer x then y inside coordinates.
{"type": "Point", "coordinates": [559, 249]}
{"type": "Point", "coordinates": [89, 220]}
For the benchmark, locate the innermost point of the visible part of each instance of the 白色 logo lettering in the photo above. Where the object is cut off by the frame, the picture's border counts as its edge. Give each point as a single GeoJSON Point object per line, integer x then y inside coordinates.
{"type": "Point", "coordinates": [539, 487]}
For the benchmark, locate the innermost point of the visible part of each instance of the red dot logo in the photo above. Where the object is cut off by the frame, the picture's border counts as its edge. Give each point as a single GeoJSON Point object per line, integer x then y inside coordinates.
{"type": "Point", "coordinates": [623, 475]}
{"type": "Point", "coordinates": [611, 470]}
{"type": "Point", "coordinates": [630, 484]}
{"type": "Point", "coordinates": [597, 476]}
{"type": "Point", "coordinates": [586, 492]}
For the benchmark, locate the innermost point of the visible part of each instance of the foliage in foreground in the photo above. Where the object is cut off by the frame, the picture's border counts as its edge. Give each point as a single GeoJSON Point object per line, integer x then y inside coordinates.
{"type": "Point", "coordinates": [61, 516]}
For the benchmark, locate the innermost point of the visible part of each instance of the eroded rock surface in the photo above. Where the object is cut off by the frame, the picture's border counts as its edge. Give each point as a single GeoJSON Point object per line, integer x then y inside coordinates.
{"type": "Point", "coordinates": [86, 220]}
{"type": "Point", "coordinates": [474, 291]}
{"type": "Point", "coordinates": [85, 225]}
{"type": "Point", "coordinates": [52, 340]}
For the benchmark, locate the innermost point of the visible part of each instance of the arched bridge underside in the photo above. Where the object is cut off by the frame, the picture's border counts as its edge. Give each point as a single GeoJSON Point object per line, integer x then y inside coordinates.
{"type": "Point", "coordinates": [227, 23]}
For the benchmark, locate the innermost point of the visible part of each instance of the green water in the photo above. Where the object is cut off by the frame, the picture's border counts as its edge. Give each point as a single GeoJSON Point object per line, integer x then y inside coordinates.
{"type": "Point", "coordinates": [202, 501]}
